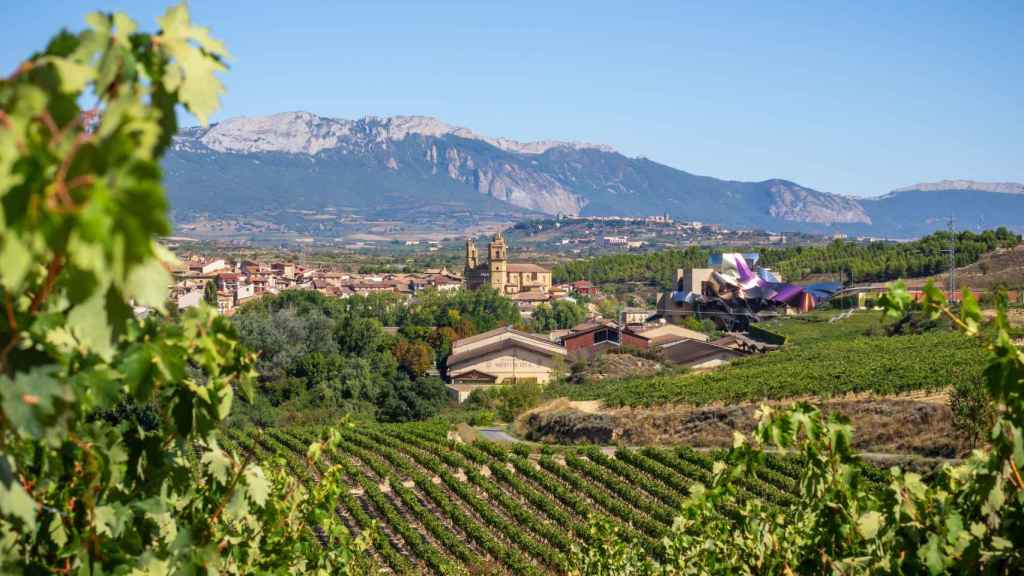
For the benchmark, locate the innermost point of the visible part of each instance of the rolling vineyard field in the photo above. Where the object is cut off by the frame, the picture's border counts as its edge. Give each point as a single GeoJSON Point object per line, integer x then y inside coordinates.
{"type": "Point", "coordinates": [443, 507]}
{"type": "Point", "coordinates": [821, 359]}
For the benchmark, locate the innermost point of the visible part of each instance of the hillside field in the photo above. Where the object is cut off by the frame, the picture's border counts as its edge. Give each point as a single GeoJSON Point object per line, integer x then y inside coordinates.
{"type": "Point", "coordinates": [447, 507]}
{"type": "Point", "coordinates": [821, 359]}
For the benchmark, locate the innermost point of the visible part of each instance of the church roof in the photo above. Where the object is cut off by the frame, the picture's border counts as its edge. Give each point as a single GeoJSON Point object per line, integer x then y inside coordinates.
{"type": "Point", "coordinates": [523, 267]}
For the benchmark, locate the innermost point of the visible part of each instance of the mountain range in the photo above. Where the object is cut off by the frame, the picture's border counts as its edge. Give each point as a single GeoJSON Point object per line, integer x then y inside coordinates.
{"type": "Point", "coordinates": [407, 165]}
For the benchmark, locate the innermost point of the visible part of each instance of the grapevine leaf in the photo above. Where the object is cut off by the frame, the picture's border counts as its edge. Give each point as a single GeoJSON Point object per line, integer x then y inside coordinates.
{"type": "Point", "coordinates": [896, 302]}
{"type": "Point", "coordinates": [28, 400]}
{"type": "Point", "coordinates": [259, 486]}
{"type": "Point", "coordinates": [17, 262]}
{"type": "Point", "coordinates": [15, 501]}
{"type": "Point", "coordinates": [869, 524]}
{"type": "Point", "coordinates": [87, 322]}
{"type": "Point", "coordinates": [140, 367]}
{"type": "Point", "coordinates": [74, 76]}
{"type": "Point", "coordinates": [98, 388]}
{"type": "Point", "coordinates": [150, 565]}
{"type": "Point", "coordinates": [193, 75]}
{"type": "Point", "coordinates": [110, 519]}
{"type": "Point", "coordinates": [932, 555]}
{"type": "Point", "coordinates": [218, 463]}
{"type": "Point", "coordinates": [124, 27]}
{"type": "Point", "coordinates": [149, 283]}
{"type": "Point", "coordinates": [970, 312]}
{"type": "Point", "coordinates": [314, 450]}
{"type": "Point", "coordinates": [237, 508]}
{"type": "Point", "coordinates": [57, 532]}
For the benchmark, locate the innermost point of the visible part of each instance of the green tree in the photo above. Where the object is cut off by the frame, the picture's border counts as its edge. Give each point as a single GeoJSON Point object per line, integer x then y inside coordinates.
{"type": "Point", "coordinates": [973, 411]}
{"type": "Point", "coordinates": [109, 454]}
{"type": "Point", "coordinates": [609, 308]}
{"type": "Point", "coordinates": [416, 358]}
{"type": "Point", "coordinates": [558, 315]}
{"type": "Point", "coordinates": [413, 399]}
{"type": "Point", "coordinates": [210, 293]}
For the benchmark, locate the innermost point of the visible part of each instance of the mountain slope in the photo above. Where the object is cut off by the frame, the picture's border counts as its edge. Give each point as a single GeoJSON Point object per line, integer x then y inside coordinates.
{"type": "Point", "coordinates": [302, 161]}
{"type": "Point", "coordinates": [402, 167]}
{"type": "Point", "coordinates": [923, 208]}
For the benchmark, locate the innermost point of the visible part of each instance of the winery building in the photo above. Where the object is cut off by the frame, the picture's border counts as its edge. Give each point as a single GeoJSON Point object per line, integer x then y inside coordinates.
{"type": "Point", "coordinates": [501, 356]}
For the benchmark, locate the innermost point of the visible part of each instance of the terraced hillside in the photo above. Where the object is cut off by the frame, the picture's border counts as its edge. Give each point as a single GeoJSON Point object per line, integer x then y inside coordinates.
{"type": "Point", "coordinates": [446, 507]}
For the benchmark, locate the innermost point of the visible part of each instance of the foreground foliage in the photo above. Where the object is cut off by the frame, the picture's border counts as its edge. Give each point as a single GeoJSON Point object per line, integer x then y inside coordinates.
{"type": "Point", "coordinates": [968, 520]}
{"type": "Point", "coordinates": [109, 456]}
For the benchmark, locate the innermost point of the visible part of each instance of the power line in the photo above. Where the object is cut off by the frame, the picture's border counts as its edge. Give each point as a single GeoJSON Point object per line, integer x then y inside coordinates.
{"type": "Point", "coordinates": [952, 261]}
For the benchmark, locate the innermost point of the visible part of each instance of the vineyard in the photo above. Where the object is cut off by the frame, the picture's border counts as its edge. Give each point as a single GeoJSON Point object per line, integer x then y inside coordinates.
{"type": "Point", "coordinates": [821, 359]}
{"type": "Point", "coordinates": [447, 507]}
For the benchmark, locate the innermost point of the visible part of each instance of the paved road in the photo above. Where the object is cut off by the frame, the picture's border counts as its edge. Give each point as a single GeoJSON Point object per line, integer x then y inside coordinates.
{"type": "Point", "coordinates": [497, 435]}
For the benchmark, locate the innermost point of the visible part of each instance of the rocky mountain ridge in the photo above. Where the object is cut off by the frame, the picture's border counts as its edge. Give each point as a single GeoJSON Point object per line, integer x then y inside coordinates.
{"type": "Point", "coordinates": [971, 185]}
{"type": "Point", "coordinates": [306, 133]}
{"type": "Point", "coordinates": [404, 164]}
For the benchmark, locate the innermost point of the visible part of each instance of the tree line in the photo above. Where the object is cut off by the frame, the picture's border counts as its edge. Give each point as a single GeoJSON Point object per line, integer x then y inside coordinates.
{"type": "Point", "coordinates": [320, 358]}
{"type": "Point", "coordinates": [849, 261]}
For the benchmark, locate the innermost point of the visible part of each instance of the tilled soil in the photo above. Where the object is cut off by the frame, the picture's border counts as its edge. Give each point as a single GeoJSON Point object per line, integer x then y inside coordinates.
{"type": "Point", "coordinates": [919, 425]}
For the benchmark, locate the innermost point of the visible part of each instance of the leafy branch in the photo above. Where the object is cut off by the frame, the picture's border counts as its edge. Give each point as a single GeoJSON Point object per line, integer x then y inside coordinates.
{"type": "Point", "coordinates": [108, 424]}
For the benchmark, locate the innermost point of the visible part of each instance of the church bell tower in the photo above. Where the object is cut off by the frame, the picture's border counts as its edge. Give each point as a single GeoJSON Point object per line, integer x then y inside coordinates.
{"type": "Point", "coordinates": [471, 255]}
{"type": "Point", "coordinates": [498, 258]}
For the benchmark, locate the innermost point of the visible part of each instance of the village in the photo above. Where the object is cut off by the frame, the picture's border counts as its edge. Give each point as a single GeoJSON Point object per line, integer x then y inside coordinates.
{"type": "Point", "coordinates": [727, 296]}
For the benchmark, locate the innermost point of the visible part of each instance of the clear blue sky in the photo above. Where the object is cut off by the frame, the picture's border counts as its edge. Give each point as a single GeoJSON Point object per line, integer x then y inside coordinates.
{"type": "Point", "coordinates": [854, 99]}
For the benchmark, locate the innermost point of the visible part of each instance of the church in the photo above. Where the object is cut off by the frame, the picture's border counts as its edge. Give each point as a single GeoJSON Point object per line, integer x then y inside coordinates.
{"type": "Point", "coordinates": [498, 273]}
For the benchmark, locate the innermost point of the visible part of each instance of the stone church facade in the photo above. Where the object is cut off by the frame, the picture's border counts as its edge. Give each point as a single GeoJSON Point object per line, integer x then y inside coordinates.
{"type": "Point", "coordinates": [498, 273]}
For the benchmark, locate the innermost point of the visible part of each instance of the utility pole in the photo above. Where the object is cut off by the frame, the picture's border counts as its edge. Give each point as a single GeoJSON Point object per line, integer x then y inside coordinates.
{"type": "Point", "coordinates": [952, 261]}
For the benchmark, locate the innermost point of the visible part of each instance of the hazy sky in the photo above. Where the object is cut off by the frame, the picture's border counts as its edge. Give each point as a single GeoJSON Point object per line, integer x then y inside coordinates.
{"type": "Point", "coordinates": [854, 99]}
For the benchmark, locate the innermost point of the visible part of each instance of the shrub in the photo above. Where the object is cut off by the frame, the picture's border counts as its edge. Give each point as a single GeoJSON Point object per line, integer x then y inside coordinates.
{"type": "Point", "coordinates": [508, 400]}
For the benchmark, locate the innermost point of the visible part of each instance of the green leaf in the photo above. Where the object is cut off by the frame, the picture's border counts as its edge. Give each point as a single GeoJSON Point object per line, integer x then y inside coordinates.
{"type": "Point", "coordinates": [110, 520]}
{"type": "Point", "coordinates": [14, 500]}
{"type": "Point", "coordinates": [914, 485]}
{"type": "Point", "coordinates": [193, 74]}
{"type": "Point", "coordinates": [1000, 543]}
{"type": "Point", "coordinates": [74, 76]}
{"type": "Point", "coordinates": [218, 463]}
{"type": "Point", "coordinates": [896, 301]}
{"type": "Point", "coordinates": [88, 323]}
{"type": "Point", "coordinates": [58, 534]}
{"type": "Point", "coordinates": [970, 312]}
{"type": "Point", "coordinates": [259, 486]}
{"type": "Point", "coordinates": [29, 400]}
{"type": "Point", "coordinates": [124, 27]}
{"type": "Point", "coordinates": [932, 555]}
{"type": "Point", "coordinates": [314, 450]}
{"type": "Point", "coordinates": [17, 261]}
{"type": "Point", "coordinates": [148, 284]}
{"type": "Point", "coordinates": [237, 508]}
{"type": "Point", "coordinates": [141, 369]}
{"type": "Point", "coordinates": [869, 524]}
{"type": "Point", "coordinates": [150, 565]}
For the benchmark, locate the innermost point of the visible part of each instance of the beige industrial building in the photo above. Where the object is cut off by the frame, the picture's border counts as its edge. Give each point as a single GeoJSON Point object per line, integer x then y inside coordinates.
{"type": "Point", "coordinates": [501, 356]}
